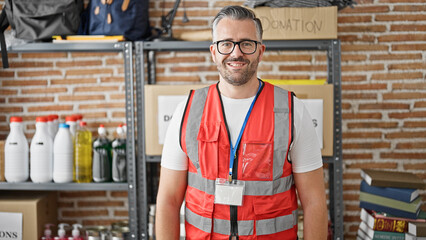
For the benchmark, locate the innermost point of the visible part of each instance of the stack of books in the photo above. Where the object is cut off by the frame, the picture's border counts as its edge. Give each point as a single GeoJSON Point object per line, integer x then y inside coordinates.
{"type": "Point", "coordinates": [389, 201]}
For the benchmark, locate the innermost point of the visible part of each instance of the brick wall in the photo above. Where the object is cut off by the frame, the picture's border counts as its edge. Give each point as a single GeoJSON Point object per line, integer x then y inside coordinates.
{"type": "Point", "coordinates": [383, 92]}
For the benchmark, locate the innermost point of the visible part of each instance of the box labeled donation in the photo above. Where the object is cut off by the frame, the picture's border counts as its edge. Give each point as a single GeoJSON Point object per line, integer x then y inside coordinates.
{"type": "Point", "coordinates": [298, 23]}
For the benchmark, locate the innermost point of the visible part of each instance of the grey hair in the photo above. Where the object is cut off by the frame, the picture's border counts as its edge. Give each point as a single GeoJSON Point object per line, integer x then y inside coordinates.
{"type": "Point", "coordinates": [237, 13]}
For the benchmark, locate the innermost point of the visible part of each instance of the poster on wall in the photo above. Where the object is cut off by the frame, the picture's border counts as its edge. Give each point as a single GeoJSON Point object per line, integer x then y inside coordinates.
{"type": "Point", "coordinates": [10, 226]}
{"type": "Point", "coordinates": [315, 109]}
{"type": "Point", "coordinates": [166, 108]}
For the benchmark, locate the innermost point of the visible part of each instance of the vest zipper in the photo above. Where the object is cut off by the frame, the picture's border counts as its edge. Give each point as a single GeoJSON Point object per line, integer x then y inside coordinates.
{"type": "Point", "coordinates": [232, 209]}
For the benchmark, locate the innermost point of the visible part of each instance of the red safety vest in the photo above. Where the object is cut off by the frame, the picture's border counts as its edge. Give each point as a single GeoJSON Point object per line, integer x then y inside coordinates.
{"type": "Point", "coordinates": [269, 208]}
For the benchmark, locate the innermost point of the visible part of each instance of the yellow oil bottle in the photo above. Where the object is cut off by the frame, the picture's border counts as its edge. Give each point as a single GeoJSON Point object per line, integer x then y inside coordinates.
{"type": "Point", "coordinates": [83, 155]}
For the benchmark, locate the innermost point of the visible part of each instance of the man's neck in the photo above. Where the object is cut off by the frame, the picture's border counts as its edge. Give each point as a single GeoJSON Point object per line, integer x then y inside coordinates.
{"type": "Point", "coordinates": [239, 92]}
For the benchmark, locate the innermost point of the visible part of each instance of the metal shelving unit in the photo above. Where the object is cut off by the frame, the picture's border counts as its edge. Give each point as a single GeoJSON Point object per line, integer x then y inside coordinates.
{"type": "Point", "coordinates": [131, 186]}
{"type": "Point", "coordinates": [332, 48]}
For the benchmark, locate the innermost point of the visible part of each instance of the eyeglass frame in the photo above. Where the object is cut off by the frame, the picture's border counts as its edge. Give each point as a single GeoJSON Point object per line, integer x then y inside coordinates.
{"type": "Point", "coordinates": [236, 43]}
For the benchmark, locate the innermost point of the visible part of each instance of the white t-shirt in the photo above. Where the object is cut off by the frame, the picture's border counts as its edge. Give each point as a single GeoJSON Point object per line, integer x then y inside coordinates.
{"type": "Point", "coordinates": [305, 152]}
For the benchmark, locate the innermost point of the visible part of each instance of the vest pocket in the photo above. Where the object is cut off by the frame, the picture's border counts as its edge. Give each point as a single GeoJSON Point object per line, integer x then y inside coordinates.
{"type": "Point", "coordinates": [256, 161]}
{"type": "Point", "coordinates": [208, 148]}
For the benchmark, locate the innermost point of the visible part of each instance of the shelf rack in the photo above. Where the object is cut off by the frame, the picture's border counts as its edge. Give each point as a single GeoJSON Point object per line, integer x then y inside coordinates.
{"type": "Point", "coordinates": [332, 48]}
{"type": "Point", "coordinates": [130, 186]}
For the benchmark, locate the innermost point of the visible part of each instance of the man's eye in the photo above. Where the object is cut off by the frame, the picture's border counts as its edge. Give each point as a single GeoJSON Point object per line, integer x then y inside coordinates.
{"type": "Point", "coordinates": [247, 44]}
{"type": "Point", "coordinates": [226, 44]}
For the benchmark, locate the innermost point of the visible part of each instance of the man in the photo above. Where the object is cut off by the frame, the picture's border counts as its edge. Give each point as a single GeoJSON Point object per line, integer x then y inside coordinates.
{"type": "Point", "coordinates": [238, 150]}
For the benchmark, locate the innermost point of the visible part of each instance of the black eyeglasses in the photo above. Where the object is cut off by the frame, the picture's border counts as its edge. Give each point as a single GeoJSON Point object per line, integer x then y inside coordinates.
{"type": "Point", "coordinates": [226, 47]}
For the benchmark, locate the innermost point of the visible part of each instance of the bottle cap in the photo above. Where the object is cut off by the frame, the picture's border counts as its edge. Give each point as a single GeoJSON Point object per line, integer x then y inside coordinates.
{"type": "Point", "coordinates": [70, 119]}
{"type": "Point", "coordinates": [78, 116]}
{"type": "Point", "coordinates": [82, 123]}
{"type": "Point", "coordinates": [52, 117]}
{"type": "Point", "coordinates": [15, 119]}
{"type": "Point", "coordinates": [41, 119]}
{"type": "Point", "coordinates": [64, 125]}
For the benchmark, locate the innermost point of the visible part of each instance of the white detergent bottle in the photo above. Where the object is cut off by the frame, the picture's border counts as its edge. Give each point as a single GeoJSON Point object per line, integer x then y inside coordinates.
{"type": "Point", "coordinates": [63, 155]}
{"type": "Point", "coordinates": [72, 121]}
{"type": "Point", "coordinates": [41, 153]}
{"type": "Point", "coordinates": [16, 153]}
{"type": "Point", "coordinates": [53, 125]}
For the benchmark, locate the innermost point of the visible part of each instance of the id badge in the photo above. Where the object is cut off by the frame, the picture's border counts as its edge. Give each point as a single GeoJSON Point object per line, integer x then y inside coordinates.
{"type": "Point", "coordinates": [229, 193]}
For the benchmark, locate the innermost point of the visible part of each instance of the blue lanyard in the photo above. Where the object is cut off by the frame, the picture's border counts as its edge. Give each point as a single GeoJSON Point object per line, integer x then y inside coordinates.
{"type": "Point", "coordinates": [234, 149]}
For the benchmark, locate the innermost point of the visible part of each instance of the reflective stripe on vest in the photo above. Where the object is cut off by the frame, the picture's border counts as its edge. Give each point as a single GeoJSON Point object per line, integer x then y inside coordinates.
{"type": "Point", "coordinates": [253, 188]}
{"type": "Point", "coordinates": [263, 227]}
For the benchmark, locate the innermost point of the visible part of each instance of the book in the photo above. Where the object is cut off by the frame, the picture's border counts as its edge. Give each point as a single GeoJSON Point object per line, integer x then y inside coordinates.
{"type": "Point", "coordinates": [409, 236]}
{"type": "Point", "coordinates": [417, 229]}
{"type": "Point", "coordinates": [362, 235]}
{"type": "Point", "coordinates": [388, 210]}
{"type": "Point", "coordinates": [382, 178]}
{"type": "Point", "coordinates": [373, 234]}
{"type": "Point", "coordinates": [401, 194]}
{"type": "Point", "coordinates": [413, 206]}
{"type": "Point", "coordinates": [383, 223]}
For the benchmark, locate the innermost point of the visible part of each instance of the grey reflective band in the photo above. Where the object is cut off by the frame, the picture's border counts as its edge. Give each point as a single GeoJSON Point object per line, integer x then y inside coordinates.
{"type": "Point", "coordinates": [193, 124]}
{"type": "Point", "coordinates": [281, 130]}
{"type": "Point", "coordinates": [224, 227]}
{"type": "Point", "coordinates": [275, 225]}
{"type": "Point", "coordinates": [200, 222]}
{"type": "Point", "coordinates": [253, 188]}
{"type": "Point", "coordinates": [245, 227]}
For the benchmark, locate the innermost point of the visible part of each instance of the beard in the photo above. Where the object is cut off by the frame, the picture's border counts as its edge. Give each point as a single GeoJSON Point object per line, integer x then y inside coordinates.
{"type": "Point", "coordinates": [240, 77]}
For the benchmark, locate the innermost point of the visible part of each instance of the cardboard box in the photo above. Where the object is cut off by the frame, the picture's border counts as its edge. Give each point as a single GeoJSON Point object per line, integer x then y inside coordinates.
{"type": "Point", "coordinates": [37, 208]}
{"type": "Point", "coordinates": [298, 23]}
{"type": "Point", "coordinates": [152, 92]}
{"type": "Point", "coordinates": [324, 92]}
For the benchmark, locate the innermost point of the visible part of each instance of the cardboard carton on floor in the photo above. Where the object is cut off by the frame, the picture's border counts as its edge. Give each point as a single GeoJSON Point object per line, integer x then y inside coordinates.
{"type": "Point", "coordinates": [298, 23]}
{"type": "Point", "coordinates": [37, 208]}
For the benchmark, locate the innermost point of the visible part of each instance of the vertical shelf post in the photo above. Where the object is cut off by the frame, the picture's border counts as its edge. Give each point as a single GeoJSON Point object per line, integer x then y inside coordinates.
{"type": "Point", "coordinates": [336, 170]}
{"type": "Point", "coordinates": [130, 139]}
{"type": "Point", "coordinates": [142, 185]}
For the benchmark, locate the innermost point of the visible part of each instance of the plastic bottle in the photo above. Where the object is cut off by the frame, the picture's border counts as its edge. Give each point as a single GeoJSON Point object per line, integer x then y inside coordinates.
{"type": "Point", "coordinates": [83, 155]}
{"type": "Point", "coordinates": [63, 155]}
{"type": "Point", "coordinates": [61, 232]}
{"type": "Point", "coordinates": [53, 125]}
{"type": "Point", "coordinates": [16, 153]}
{"type": "Point", "coordinates": [72, 121]}
{"type": "Point", "coordinates": [41, 153]}
{"type": "Point", "coordinates": [119, 163]}
{"type": "Point", "coordinates": [76, 232]}
{"type": "Point", "coordinates": [102, 158]}
{"type": "Point", "coordinates": [78, 119]}
{"type": "Point", "coordinates": [47, 232]}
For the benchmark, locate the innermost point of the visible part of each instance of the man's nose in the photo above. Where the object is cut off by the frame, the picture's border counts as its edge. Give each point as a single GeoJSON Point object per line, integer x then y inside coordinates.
{"type": "Point", "coordinates": [237, 51]}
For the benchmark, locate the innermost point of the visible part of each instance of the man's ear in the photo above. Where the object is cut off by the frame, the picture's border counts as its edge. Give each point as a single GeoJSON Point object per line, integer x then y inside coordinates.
{"type": "Point", "coordinates": [262, 49]}
{"type": "Point", "coordinates": [213, 52]}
